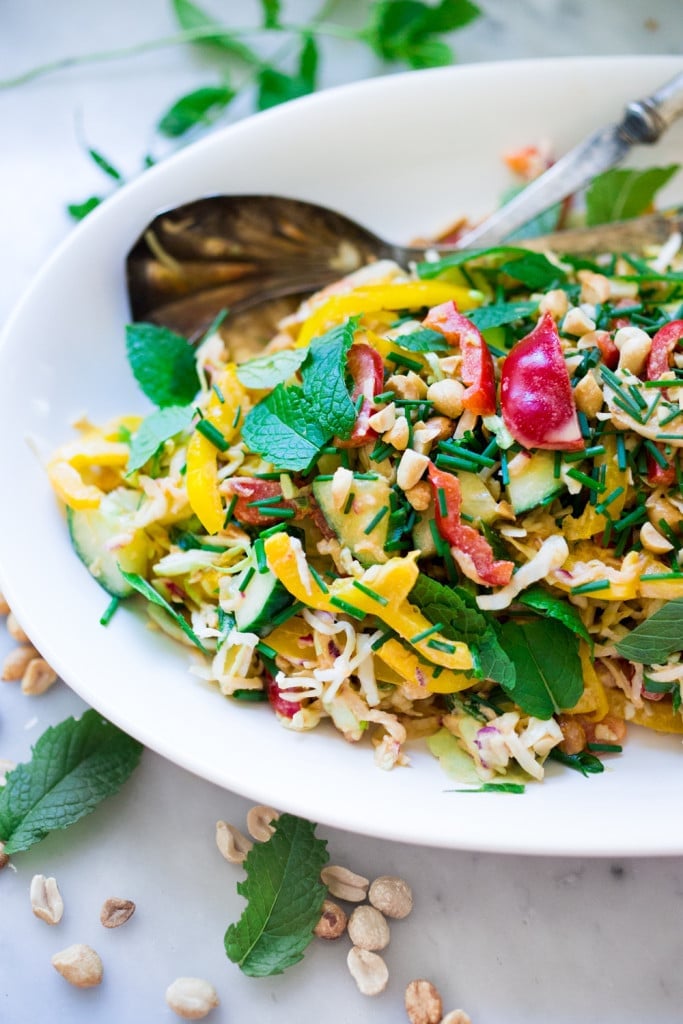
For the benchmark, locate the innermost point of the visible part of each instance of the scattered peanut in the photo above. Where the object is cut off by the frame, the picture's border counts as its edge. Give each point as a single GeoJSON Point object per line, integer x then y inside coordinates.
{"type": "Point", "coordinates": [368, 970]}
{"type": "Point", "coordinates": [554, 302]}
{"type": "Point", "coordinates": [653, 540]}
{"type": "Point", "coordinates": [4, 858]}
{"type": "Point", "coordinates": [588, 395]}
{"type": "Point", "coordinates": [407, 385]}
{"type": "Point", "coordinates": [410, 469]}
{"type": "Point", "coordinates": [393, 896]}
{"type": "Point", "coordinates": [595, 288]}
{"type": "Point", "coordinates": [342, 481]}
{"type": "Point", "coordinates": [79, 965]}
{"type": "Point", "coordinates": [232, 843]}
{"type": "Point", "coordinates": [38, 678]}
{"type": "Point", "coordinates": [344, 884]}
{"type": "Point", "coordinates": [17, 661]}
{"type": "Point", "coordinates": [398, 435]}
{"type": "Point", "coordinates": [332, 921]}
{"type": "Point", "coordinates": [116, 912]}
{"type": "Point", "coordinates": [576, 322]}
{"type": "Point", "coordinates": [260, 822]}
{"type": "Point", "coordinates": [15, 630]}
{"type": "Point", "coordinates": [457, 1017]}
{"type": "Point", "coordinates": [368, 928]}
{"type": "Point", "coordinates": [634, 348]}
{"type": "Point", "coordinates": [419, 496]}
{"type": "Point", "coordinates": [423, 1003]}
{"type": "Point", "coordinates": [447, 397]}
{"type": "Point", "coordinates": [4, 607]}
{"type": "Point", "coordinates": [46, 899]}
{"type": "Point", "coordinates": [191, 998]}
{"type": "Point", "coordinates": [384, 419]}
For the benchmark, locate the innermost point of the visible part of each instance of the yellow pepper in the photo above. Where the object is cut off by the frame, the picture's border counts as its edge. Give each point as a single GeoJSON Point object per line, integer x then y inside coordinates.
{"type": "Point", "coordinates": [656, 715]}
{"type": "Point", "coordinates": [591, 522]}
{"type": "Point", "coordinates": [92, 449]}
{"type": "Point", "coordinates": [202, 456]}
{"type": "Point", "coordinates": [373, 298]}
{"type": "Point", "coordinates": [71, 488]}
{"type": "Point", "coordinates": [411, 670]}
{"type": "Point", "coordinates": [593, 701]}
{"type": "Point", "coordinates": [390, 585]}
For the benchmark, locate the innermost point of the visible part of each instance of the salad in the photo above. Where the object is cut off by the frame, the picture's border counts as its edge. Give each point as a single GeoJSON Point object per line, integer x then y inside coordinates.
{"type": "Point", "coordinates": [444, 503]}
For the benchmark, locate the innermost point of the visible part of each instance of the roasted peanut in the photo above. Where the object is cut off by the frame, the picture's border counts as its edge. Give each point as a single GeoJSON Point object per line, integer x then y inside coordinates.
{"type": "Point", "coordinates": [116, 912]}
{"type": "Point", "coordinates": [191, 998]}
{"type": "Point", "coordinates": [423, 1003]}
{"type": "Point", "coordinates": [368, 970]}
{"type": "Point", "coordinates": [393, 896]}
{"type": "Point", "coordinates": [46, 899]}
{"type": "Point", "coordinates": [344, 884]}
{"type": "Point", "coordinates": [332, 921]}
{"type": "Point", "coordinates": [368, 928]}
{"type": "Point", "coordinates": [79, 965]}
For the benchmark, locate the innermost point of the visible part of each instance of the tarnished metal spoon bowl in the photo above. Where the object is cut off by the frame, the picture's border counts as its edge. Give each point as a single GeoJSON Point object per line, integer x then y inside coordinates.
{"type": "Point", "coordinates": [240, 252]}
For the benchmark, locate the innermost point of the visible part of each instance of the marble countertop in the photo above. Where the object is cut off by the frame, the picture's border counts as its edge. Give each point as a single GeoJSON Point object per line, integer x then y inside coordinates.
{"type": "Point", "coordinates": [512, 940]}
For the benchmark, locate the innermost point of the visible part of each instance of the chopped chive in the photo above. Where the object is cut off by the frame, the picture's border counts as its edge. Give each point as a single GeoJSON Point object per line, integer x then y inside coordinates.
{"type": "Point", "coordinates": [366, 476]}
{"type": "Point", "coordinates": [370, 593]}
{"type": "Point", "coordinates": [325, 476]}
{"type": "Point", "coordinates": [381, 640]}
{"type": "Point", "coordinates": [653, 405]}
{"type": "Point", "coordinates": [504, 472]}
{"type": "Point", "coordinates": [278, 528]}
{"type": "Point", "coordinates": [259, 551]}
{"type": "Point", "coordinates": [287, 613]}
{"type": "Point", "coordinates": [674, 414]}
{"type": "Point", "coordinates": [376, 520]}
{"type": "Point", "coordinates": [612, 496]}
{"type": "Point", "coordinates": [585, 453]}
{"type": "Point", "coordinates": [470, 519]}
{"type": "Point", "coordinates": [110, 611]}
{"type": "Point", "coordinates": [426, 632]}
{"type": "Point", "coordinates": [637, 516]}
{"type": "Point", "coordinates": [669, 534]}
{"type": "Point", "coordinates": [587, 481]}
{"type": "Point", "coordinates": [280, 511]}
{"type": "Point", "coordinates": [329, 450]}
{"type": "Point", "coordinates": [628, 407]}
{"type": "Point", "coordinates": [236, 417]}
{"type": "Point", "coordinates": [345, 606]}
{"type": "Point", "coordinates": [349, 503]}
{"type": "Point", "coordinates": [436, 536]}
{"type": "Point", "coordinates": [584, 425]}
{"type": "Point", "coordinates": [439, 645]}
{"type": "Point", "coordinates": [250, 696]}
{"type": "Point", "coordinates": [267, 651]}
{"type": "Point", "coordinates": [557, 465]}
{"type": "Point", "coordinates": [443, 501]}
{"type": "Point", "coordinates": [493, 787]}
{"type": "Point", "coordinates": [267, 476]}
{"type": "Point", "coordinates": [229, 511]}
{"type": "Point", "coordinates": [670, 437]}
{"type": "Point", "coordinates": [385, 396]}
{"type": "Point", "coordinates": [491, 448]}
{"type": "Point", "coordinates": [605, 748]}
{"type": "Point", "coordinates": [213, 435]}
{"type": "Point", "coordinates": [219, 394]}
{"type": "Point", "coordinates": [621, 452]}
{"type": "Point", "coordinates": [661, 383]}
{"type": "Point", "coordinates": [401, 360]}
{"type": "Point", "coordinates": [648, 576]}
{"type": "Point", "coordinates": [456, 462]}
{"type": "Point", "coordinates": [654, 451]}
{"type": "Point", "coordinates": [247, 579]}
{"type": "Point", "coordinates": [358, 404]}
{"type": "Point", "coordinates": [588, 588]}
{"type": "Point", "coordinates": [637, 397]}
{"type": "Point", "coordinates": [380, 452]}
{"type": "Point", "coordinates": [273, 500]}
{"type": "Point", "coordinates": [318, 579]}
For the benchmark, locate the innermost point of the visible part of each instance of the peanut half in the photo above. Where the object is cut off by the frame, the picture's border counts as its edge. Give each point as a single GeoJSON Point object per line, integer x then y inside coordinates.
{"type": "Point", "coordinates": [79, 965]}
{"type": "Point", "coordinates": [116, 912]}
{"type": "Point", "coordinates": [191, 998]}
{"type": "Point", "coordinates": [46, 899]}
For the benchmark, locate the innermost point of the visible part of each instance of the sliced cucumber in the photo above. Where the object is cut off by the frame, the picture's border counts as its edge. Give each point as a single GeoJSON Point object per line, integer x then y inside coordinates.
{"type": "Point", "coordinates": [91, 531]}
{"type": "Point", "coordinates": [370, 497]}
{"type": "Point", "coordinates": [477, 500]}
{"type": "Point", "coordinates": [535, 482]}
{"type": "Point", "coordinates": [262, 598]}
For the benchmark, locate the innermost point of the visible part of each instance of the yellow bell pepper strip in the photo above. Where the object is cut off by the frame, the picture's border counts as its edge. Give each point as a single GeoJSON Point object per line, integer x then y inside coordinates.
{"type": "Point", "coordinates": [71, 488]}
{"type": "Point", "coordinates": [593, 701]}
{"type": "Point", "coordinates": [202, 456]}
{"type": "Point", "coordinates": [591, 521]}
{"type": "Point", "coordinates": [418, 673]}
{"type": "Point", "coordinates": [381, 591]}
{"type": "Point", "coordinates": [656, 715]}
{"type": "Point", "coordinates": [286, 640]}
{"type": "Point", "coordinates": [373, 298]}
{"type": "Point", "coordinates": [90, 450]}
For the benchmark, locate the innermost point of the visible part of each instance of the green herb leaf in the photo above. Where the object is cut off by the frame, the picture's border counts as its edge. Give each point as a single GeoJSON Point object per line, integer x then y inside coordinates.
{"type": "Point", "coordinates": [404, 30]}
{"type": "Point", "coordinates": [434, 268]}
{"type": "Point", "coordinates": [324, 376]}
{"type": "Point", "coordinates": [285, 897]}
{"type": "Point", "coordinates": [268, 371]}
{"type": "Point", "coordinates": [535, 271]}
{"type": "Point", "coordinates": [154, 430]}
{"type": "Point", "coordinates": [500, 313]}
{"type": "Point", "coordinates": [494, 660]}
{"type": "Point", "coordinates": [582, 762]}
{"type": "Point", "coordinates": [140, 584]}
{"type": "Point", "coordinates": [74, 766]}
{"type": "Point", "coordinates": [271, 13]}
{"type": "Point", "coordinates": [657, 637]}
{"type": "Point", "coordinates": [163, 364]}
{"type": "Point", "coordinates": [275, 87]}
{"type": "Point", "coordinates": [202, 106]}
{"type": "Point", "coordinates": [620, 194]}
{"type": "Point", "coordinates": [285, 429]}
{"type": "Point", "coordinates": [543, 602]}
{"type": "Point", "coordinates": [104, 165]}
{"type": "Point", "coordinates": [80, 210]}
{"type": "Point", "coordinates": [422, 340]}
{"type": "Point", "coordinates": [548, 669]}
{"type": "Point", "coordinates": [190, 16]}
{"type": "Point", "coordinates": [493, 787]}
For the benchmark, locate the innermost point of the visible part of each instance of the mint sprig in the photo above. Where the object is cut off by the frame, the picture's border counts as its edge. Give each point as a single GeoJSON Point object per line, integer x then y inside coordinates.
{"type": "Point", "coordinates": [657, 637]}
{"type": "Point", "coordinates": [146, 589]}
{"type": "Point", "coordinates": [548, 676]}
{"type": "Point", "coordinates": [155, 430]}
{"type": "Point", "coordinates": [272, 369]}
{"type": "Point", "coordinates": [324, 380]}
{"type": "Point", "coordinates": [620, 194]}
{"type": "Point", "coordinates": [74, 766]}
{"type": "Point", "coordinates": [163, 364]}
{"type": "Point", "coordinates": [285, 898]}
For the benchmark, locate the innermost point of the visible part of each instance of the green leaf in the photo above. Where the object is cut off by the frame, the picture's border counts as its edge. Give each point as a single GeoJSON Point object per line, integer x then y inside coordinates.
{"type": "Point", "coordinates": [657, 637]}
{"type": "Point", "coordinates": [422, 340]}
{"type": "Point", "coordinates": [548, 668]}
{"type": "Point", "coordinates": [104, 165]}
{"type": "Point", "coordinates": [542, 224]}
{"type": "Point", "coordinates": [285, 898]}
{"type": "Point", "coordinates": [500, 313]}
{"type": "Point", "coordinates": [587, 764]}
{"type": "Point", "coordinates": [154, 430]}
{"type": "Point", "coordinates": [189, 16]}
{"type": "Point", "coordinates": [271, 13]}
{"type": "Point", "coordinates": [74, 766]}
{"type": "Point", "coordinates": [404, 30]}
{"type": "Point", "coordinates": [324, 377]}
{"type": "Point", "coordinates": [494, 661]}
{"type": "Point", "coordinates": [620, 194]}
{"type": "Point", "coordinates": [275, 87]}
{"type": "Point", "coordinates": [434, 268]}
{"type": "Point", "coordinates": [80, 210]}
{"type": "Point", "coordinates": [140, 584]}
{"type": "Point", "coordinates": [163, 364]}
{"type": "Point", "coordinates": [431, 53]}
{"type": "Point", "coordinates": [284, 428]}
{"type": "Point", "coordinates": [493, 787]}
{"type": "Point", "coordinates": [543, 602]}
{"type": "Point", "coordinates": [535, 271]}
{"type": "Point", "coordinates": [268, 371]}
{"type": "Point", "coordinates": [202, 106]}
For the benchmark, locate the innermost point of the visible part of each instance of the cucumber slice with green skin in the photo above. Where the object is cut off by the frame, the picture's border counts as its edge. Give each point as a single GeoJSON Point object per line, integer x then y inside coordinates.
{"type": "Point", "coordinates": [92, 529]}
{"type": "Point", "coordinates": [263, 597]}
{"type": "Point", "coordinates": [534, 483]}
{"type": "Point", "coordinates": [370, 497]}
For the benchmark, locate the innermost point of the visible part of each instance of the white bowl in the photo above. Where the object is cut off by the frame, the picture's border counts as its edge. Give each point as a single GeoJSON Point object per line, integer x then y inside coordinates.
{"type": "Point", "coordinates": [405, 155]}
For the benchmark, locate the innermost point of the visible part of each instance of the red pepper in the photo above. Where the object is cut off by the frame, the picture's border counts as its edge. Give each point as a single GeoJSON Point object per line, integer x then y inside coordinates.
{"type": "Point", "coordinates": [658, 475]}
{"type": "Point", "coordinates": [286, 708]}
{"type": "Point", "coordinates": [663, 344]}
{"type": "Point", "coordinates": [249, 491]}
{"type": "Point", "coordinates": [367, 370]}
{"type": "Point", "coordinates": [608, 350]}
{"type": "Point", "coordinates": [536, 393]}
{"type": "Point", "coordinates": [472, 552]}
{"type": "Point", "coordinates": [477, 362]}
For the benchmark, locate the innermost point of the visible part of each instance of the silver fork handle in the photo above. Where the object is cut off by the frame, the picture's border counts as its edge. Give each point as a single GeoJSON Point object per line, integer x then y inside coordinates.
{"type": "Point", "coordinates": [647, 119]}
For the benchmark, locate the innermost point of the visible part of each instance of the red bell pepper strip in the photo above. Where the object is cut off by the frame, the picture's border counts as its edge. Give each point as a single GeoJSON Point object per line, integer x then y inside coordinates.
{"type": "Point", "coordinates": [250, 491]}
{"type": "Point", "coordinates": [658, 475]}
{"type": "Point", "coordinates": [608, 350]}
{"type": "Point", "coordinates": [536, 394]}
{"type": "Point", "coordinates": [477, 362]}
{"type": "Point", "coordinates": [367, 370]}
{"type": "Point", "coordinates": [472, 552]}
{"type": "Point", "coordinates": [663, 344]}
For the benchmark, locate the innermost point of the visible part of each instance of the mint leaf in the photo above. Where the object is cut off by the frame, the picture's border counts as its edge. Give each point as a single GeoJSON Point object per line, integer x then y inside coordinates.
{"type": "Point", "coordinates": [202, 106]}
{"type": "Point", "coordinates": [154, 430]}
{"type": "Point", "coordinates": [501, 313]}
{"type": "Point", "coordinates": [276, 87]}
{"type": "Point", "coordinates": [535, 271]}
{"type": "Point", "coordinates": [271, 13]}
{"type": "Point", "coordinates": [285, 429]}
{"type": "Point", "coordinates": [285, 897]}
{"type": "Point", "coordinates": [422, 340]}
{"type": "Point", "coordinates": [543, 602]}
{"type": "Point", "coordinates": [587, 764]}
{"type": "Point", "coordinates": [434, 268]}
{"type": "Point", "coordinates": [80, 210]}
{"type": "Point", "coordinates": [548, 669]}
{"type": "Point", "coordinates": [190, 16]}
{"type": "Point", "coordinates": [268, 371]}
{"type": "Point", "coordinates": [140, 584]}
{"type": "Point", "coordinates": [404, 30]}
{"type": "Point", "coordinates": [104, 165]}
{"type": "Point", "coordinates": [494, 661]}
{"type": "Point", "coordinates": [163, 364]}
{"type": "Point", "coordinates": [324, 376]}
{"type": "Point", "coordinates": [74, 766]}
{"type": "Point", "coordinates": [657, 637]}
{"type": "Point", "coordinates": [620, 194]}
